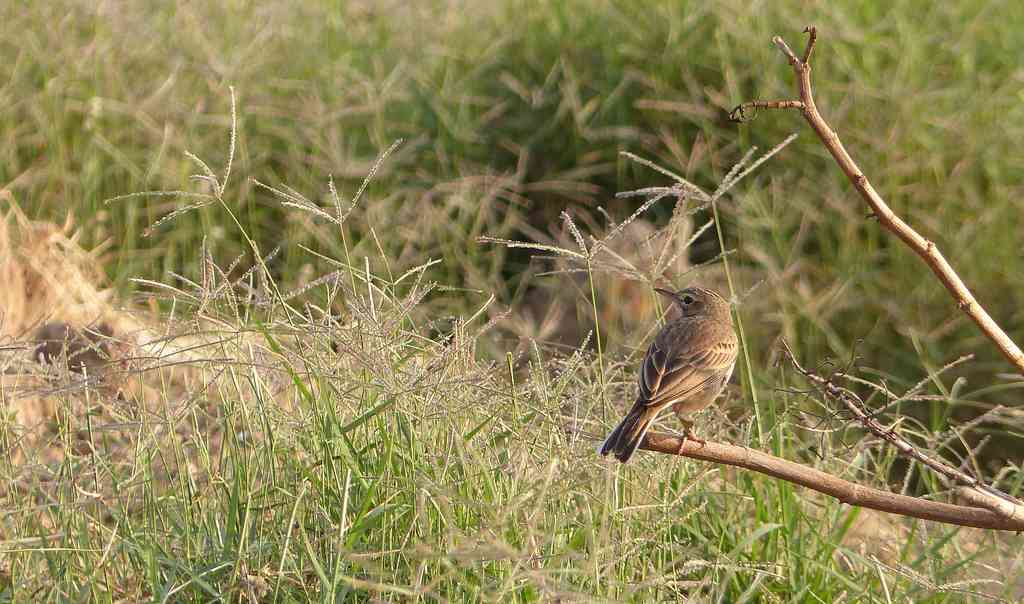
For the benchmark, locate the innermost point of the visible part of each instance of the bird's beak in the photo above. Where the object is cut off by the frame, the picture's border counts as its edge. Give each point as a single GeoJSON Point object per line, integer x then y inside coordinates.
{"type": "Point", "coordinates": [668, 294]}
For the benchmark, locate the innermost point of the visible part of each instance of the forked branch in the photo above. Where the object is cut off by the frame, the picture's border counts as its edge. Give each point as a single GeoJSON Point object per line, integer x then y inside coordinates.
{"type": "Point", "coordinates": [923, 247]}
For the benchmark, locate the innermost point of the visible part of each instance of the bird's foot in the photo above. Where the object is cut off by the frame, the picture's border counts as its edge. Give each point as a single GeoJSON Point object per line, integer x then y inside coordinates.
{"type": "Point", "coordinates": [688, 434]}
{"type": "Point", "coordinates": [691, 435]}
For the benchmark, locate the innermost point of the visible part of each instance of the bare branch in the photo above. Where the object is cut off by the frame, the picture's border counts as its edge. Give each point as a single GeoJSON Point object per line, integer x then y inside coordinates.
{"type": "Point", "coordinates": [1005, 518]}
{"type": "Point", "coordinates": [812, 37]}
{"type": "Point", "coordinates": [923, 247]}
{"type": "Point", "coordinates": [786, 50]}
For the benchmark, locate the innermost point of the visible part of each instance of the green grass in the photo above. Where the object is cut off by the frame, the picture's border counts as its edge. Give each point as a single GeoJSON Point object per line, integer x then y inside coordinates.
{"type": "Point", "coordinates": [444, 450]}
{"type": "Point", "coordinates": [404, 468]}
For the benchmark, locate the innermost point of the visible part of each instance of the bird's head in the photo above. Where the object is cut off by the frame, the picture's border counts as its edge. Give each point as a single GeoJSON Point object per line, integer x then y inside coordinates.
{"type": "Point", "coordinates": [698, 302]}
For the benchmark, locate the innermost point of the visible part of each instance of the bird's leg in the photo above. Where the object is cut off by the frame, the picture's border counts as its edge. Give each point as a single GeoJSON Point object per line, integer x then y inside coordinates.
{"type": "Point", "coordinates": [688, 434]}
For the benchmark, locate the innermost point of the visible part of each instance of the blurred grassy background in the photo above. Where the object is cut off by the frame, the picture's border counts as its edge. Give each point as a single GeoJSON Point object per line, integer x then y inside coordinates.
{"type": "Point", "coordinates": [513, 111]}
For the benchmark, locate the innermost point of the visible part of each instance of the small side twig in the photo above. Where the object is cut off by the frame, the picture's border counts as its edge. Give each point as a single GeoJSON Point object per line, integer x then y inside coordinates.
{"type": "Point", "coordinates": [748, 111]}
{"type": "Point", "coordinates": [923, 247]}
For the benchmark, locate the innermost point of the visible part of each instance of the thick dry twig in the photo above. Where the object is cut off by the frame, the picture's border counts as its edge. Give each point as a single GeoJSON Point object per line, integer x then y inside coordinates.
{"type": "Point", "coordinates": [923, 247]}
{"type": "Point", "coordinates": [1001, 518]}
{"type": "Point", "coordinates": [856, 407]}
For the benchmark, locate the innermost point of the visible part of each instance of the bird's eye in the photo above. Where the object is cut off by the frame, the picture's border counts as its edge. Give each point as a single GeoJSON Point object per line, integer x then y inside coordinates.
{"type": "Point", "coordinates": [687, 299]}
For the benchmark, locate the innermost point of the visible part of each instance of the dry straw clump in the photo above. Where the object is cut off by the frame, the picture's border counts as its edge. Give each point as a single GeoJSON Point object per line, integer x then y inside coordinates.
{"type": "Point", "coordinates": [146, 384]}
{"type": "Point", "coordinates": [47, 275]}
{"type": "Point", "coordinates": [47, 278]}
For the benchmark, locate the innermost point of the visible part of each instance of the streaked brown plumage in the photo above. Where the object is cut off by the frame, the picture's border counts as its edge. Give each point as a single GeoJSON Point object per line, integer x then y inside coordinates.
{"type": "Point", "coordinates": [686, 367]}
{"type": "Point", "coordinates": [82, 348]}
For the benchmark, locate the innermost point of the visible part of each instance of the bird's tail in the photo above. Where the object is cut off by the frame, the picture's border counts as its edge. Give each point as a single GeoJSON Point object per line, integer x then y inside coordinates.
{"type": "Point", "coordinates": [628, 435]}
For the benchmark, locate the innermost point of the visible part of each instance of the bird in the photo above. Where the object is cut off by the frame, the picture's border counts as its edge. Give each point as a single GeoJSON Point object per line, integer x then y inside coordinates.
{"type": "Point", "coordinates": [83, 349]}
{"type": "Point", "coordinates": [686, 367]}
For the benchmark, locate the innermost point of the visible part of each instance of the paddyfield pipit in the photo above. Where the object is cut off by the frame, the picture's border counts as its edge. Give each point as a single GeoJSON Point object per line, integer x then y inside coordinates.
{"type": "Point", "coordinates": [686, 367]}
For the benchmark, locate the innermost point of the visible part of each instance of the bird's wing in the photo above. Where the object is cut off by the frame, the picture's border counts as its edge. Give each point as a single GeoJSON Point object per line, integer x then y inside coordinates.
{"type": "Point", "coordinates": [676, 365]}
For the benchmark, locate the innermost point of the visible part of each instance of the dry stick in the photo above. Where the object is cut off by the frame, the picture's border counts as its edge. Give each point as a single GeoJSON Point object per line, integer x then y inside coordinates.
{"type": "Point", "coordinates": [833, 486]}
{"type": "Point", "coordinates": [923, 247]}
{"type": "Point", "coordinates": [856, 407]}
